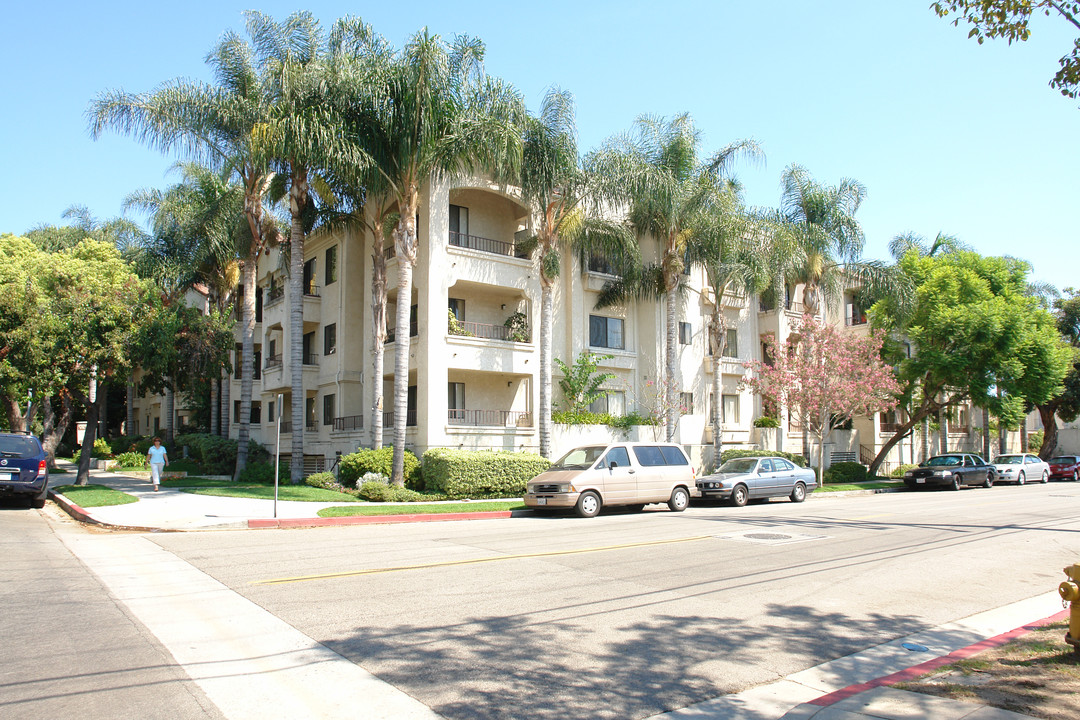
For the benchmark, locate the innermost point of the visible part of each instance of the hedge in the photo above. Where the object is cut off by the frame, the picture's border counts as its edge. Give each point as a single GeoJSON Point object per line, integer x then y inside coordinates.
{"type": "Point", "coordinates": [215, 454]}
{"type": "Point", "coordinates": [739, 453]}
{"type": "Point", "coordinates": [354, 465]}
{"type": "Point", "coordinates": [465, 473]}
{"type": "Point", "coordinates": [845, 472]}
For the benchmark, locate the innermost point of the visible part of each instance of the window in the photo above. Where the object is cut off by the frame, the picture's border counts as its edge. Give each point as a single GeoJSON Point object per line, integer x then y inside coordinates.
{"type": "Point", "coordinates": [673, 456]}
{"type": "Point", "coordinates": [328, 408]}
{"type": "Point", "coordinates": [457, 306]}
{"type": "Point", "coordinates": [410, 408]}
{"type": "Point", "coordinates": [649, 456]}
{"type": "Point", "coordinates": [331, 266]}
{"type": "Point", "coordinates": [731, 343]}
{"type": "Point", "coordinates": [765, 466]}
{"type": "Point", "coordinates": [270, 416]}
{"type": "Point", "coordinates": [258, 306]}
{"type": "Point", "coordinates": [686, 333]}
{"type": "Point", "coordinates": [455, 401]}
{"type": "Point", "coordinates": [730, 408]}
{"type": "Point", "coordinates": [273, 348]}
{"type": "Point", "coordinates": [256, 412]}
{"type": "Point", "coordinates": [239, 302]}
{"type": "Point", "coordinates": [237, 367]}
{"type": "Point", "coordinates": [459, 222]}
{"type": "Point", "coordinates": [686, 399]}
{"type": "Point", "coordinates": [309, 412]}
{"type": "Point", "coordinates": [309, 277]}
{"type": "Point", "coordinates": [782, 465]}
{"type": "Point", "coordinates": [157, 423]}
{"type": "Point", "coordinates": [330, 339]}
{"type": "Point", "coordinates": [309, 349]}
{"type": "Point", "coordinates": [617, 455]}
{"type": "Point", "coordinates": [606, 332]}
{"type": "Point", "coordinates": [601, 264]}
{"type": "Point", "coordinates": [236, 411]}
{"type": "Point", "coordinates": [612, 402]}
{"type": "Point", "coordinates": [256, 365]}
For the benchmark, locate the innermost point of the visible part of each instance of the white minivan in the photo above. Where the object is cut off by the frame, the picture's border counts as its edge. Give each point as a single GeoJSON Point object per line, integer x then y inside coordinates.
{"type": "Point", "coordinates": [624, 473]}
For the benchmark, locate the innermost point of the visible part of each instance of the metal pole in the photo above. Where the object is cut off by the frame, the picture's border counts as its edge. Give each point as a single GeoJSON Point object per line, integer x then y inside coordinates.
{"type": "Point", "coordinates": [277, 453]}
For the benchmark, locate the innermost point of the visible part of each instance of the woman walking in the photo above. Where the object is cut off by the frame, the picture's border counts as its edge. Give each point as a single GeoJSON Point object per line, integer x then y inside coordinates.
{"type": "Point", "coordinates": [158, 458]}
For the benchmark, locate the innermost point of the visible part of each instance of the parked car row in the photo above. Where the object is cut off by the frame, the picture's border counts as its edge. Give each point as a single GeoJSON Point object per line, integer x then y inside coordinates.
{"type": "Point", "coordinates": [634, 474]}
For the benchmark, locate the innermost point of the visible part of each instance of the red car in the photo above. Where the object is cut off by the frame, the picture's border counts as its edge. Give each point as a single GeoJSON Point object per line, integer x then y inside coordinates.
{"type": "Point", "coordinates": [1066, 467]}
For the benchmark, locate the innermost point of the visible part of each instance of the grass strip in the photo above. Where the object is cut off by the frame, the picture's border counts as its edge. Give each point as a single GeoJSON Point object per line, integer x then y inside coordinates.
{"type": "Point", "coordinates": [89, 496]}
{"type": "Point", "coordinates": [841, 487]}
{"type": "Point", "coordinates": [301, 493]}
{"type": "Point", "coordinates": [418, 509]}
{"type": "Point", "coordinates": [186, 482]}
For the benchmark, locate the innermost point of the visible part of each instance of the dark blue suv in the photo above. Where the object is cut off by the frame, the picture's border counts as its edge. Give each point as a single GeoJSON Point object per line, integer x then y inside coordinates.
{"type": "Point", "coordinates": [23, 468]}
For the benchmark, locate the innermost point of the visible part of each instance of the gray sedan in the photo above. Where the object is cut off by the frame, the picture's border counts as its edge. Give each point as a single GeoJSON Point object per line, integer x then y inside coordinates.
{"type": "Point", "coordinates": [751, 478]}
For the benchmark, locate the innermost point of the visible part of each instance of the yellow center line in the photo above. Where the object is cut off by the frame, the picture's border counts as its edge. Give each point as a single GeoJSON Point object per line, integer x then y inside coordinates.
{"type": "Point", "coordinates": [476, 561]}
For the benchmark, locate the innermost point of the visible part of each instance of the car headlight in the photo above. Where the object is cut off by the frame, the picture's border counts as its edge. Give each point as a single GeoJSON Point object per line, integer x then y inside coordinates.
{"type": "Point", "coordinates": [943, 473]}
{"type": "Point", "coordinates": [909, 474]}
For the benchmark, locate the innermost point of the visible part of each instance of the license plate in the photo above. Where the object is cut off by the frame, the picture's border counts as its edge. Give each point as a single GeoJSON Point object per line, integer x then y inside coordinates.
{"type": "Point", "coordinates": [541, 501]}
{"type": "Point", "coordinates": [920, 480]}
{"type": "Point", "coordinates": [8, 477]}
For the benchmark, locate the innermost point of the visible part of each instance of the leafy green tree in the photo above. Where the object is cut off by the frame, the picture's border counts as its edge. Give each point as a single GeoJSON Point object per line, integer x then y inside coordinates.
{"type": "Point", "coordinates": [973, 329]}
{"type": "Point", "coordinates": [581, 383]}
{"type": "Point", "coordinates": [433, 113]}
{"type": "Point", "coordinates": [669, 187]}
{"type": "Point", "coordinates": [567, 200]}
{"type": "Point", "coordinates": [1010, 19]}
{"type": "Point", "coordinates": [1066, 403]}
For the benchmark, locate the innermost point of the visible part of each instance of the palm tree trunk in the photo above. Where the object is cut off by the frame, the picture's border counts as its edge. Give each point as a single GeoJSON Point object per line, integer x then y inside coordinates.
{"type": "Point", "coordinates": [246, 360]}
{"type": "Point", "coordinates": [214, 405]}
{"type": "Point", "coordinates": [547, 311]}
{"type": "Point", "coordinates": [129, 425]}
{"type": "Point", "coordinates": [405, 249]}
{"type": "Point", "coordinates": [925, 439]}
{"type": "Point", "coordinates": [718, 341]}
{"type": "Point", "coordinates": [226, 402]}
{"type": "Point", "coordinates": [170, 412]}
{"type": "Point", "coordinates": [671, 391]}
{"type": "Point", "coordinates": [986, 432]}
{"type": "Point", "coordinates": [378, 337]}
{"type": "Point", "coordinates": [943, 428]}
{"type": "Point", "coordinates": [296, 332]}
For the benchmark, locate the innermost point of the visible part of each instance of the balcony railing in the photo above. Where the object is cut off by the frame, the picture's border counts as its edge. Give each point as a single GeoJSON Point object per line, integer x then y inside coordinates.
{"type": "Point", "coordinates": [274, 295]}
{"type": "Point", "coordinates": [311, 290]}
{"type": "Point", "coordinates": [273, 362]}
{"type": "Point", "coordinates": [490, 418]}
{"type": "Point", "coordinates": [311, 359]}
{"type": "Point", "coordinates": [483, 244]}
{"type": "Point", "coordinates": [485, 331]}
{"type": "Point", "coordinates": [959, 429]}
{"type": "Point", "coordinates": [890, 427]}
{"type": "Point", "coordinates": [856, 319]}
{"type": "Point", "coordinates": [286, 427]}
{"type": "Point", "coordinates": [349, 422]}
{"type": "Point", "coordinates": [390, 334]}
{"type": "Point", "coordinates": [388, 419]}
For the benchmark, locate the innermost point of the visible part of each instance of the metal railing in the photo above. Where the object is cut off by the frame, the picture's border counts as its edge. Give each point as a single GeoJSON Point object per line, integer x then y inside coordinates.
{"type": "Point", "coordinates": [485, 331]}
{"type": "Point", "coordinates": [286, 427]}
{"type": "Point", "coordinates": [273, 362]}
{"type": "Point", "coordinates": [311, 290]}
{"type": "Point", "coordinates": [483, 244]}
{"type": "Point", "coordinates": [349, 422]}
{"type": "Point", "coordinates": [850, 320]}
{"type": "Point", "coordinates": [388, 419]}
{"type": "Point", "coordinates": [274, 295]}
{"type": "Point", "coordinates": [490, 418]}
{"type": "Point", "coordinates": [414, 330]}
{"type": "Point", "coordinates": [311, 359]}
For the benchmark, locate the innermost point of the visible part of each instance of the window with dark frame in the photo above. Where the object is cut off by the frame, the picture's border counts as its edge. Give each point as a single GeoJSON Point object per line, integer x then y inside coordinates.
{"type": "Point", "coordinates": [686, 333]}
{"type": "Point", "coordinates": [256, 412]}
{"type": "Point", "coordinates": [606, 332]}
{"type": "Point", "coordinates": [331, 265]}
{"type": "Point", "coordinates": [686, 400]}
{"type": "Point", "coordinates": [330, 339]}
{"type": "Point", "coordinates": [309, 277]}
{"type": "Point", "coordinates": [455, 400]}
{"type": "Point", "coordinates": [731, 343]}
{"type": "Point", "coordinates": [328, 408]}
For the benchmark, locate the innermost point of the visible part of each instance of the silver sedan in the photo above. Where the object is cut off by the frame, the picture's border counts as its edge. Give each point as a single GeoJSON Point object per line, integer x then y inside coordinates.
{"type": "Point", "coordinates": [1021, 468]}
{"type": "Point", "coordinates": [751, 478]}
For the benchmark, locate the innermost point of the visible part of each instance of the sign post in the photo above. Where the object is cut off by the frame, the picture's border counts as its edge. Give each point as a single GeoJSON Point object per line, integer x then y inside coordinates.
{"type": "Point", "coordinates": [277, 452]}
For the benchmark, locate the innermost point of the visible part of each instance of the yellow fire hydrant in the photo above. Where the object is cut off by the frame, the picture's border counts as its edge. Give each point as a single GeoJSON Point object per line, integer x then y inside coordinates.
{"type": "Point", "coordinates": [1070, 593]}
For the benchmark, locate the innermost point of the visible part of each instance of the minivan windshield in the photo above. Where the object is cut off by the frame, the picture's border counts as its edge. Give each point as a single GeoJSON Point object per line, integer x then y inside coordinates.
{"type": "Point", "coordinates": [15, 446]}
{"type": "Point", "coordinates": [740, 465]}
{"type": "Point", "coordinates": [579, 458]}
{"type": "Point", "coordinates": [944, 460]}
{"type": "Point", "coordinates": [1009, 460]}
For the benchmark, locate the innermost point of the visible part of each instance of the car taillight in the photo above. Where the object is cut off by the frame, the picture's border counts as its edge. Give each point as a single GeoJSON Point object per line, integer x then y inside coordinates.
{"type": "Point", "coordinates": [41, 467]}
{"type": "Point", "coordinates": [693, 473]}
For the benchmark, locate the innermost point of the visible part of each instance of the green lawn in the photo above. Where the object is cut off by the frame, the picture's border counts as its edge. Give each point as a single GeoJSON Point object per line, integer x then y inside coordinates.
{"type": "Point", "coordinates": [89, 496]}
{"type": "Point", "coordinates": [877, 485]}
{"type": "Point", "coordinates": [303, 493]}
{"type": "Point", "coordinates": [419, 509]}
{"type": "Point", "coordinates": [186, 482]}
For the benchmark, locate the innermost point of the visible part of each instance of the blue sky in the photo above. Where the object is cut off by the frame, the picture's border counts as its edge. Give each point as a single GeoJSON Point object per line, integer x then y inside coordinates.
{"type": "Point", "coordinates": [946, 135]}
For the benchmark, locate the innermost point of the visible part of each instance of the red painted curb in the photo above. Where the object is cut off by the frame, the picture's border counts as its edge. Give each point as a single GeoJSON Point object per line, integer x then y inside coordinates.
{"type": "Point", "coordinates": [72, 509]}
{"type": "Point", "coordinates": [375, 519]}
{"type": "Point", "coordinates": [922, 668]}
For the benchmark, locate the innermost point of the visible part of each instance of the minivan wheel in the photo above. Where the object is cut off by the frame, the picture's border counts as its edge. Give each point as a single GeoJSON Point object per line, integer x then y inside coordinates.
{"type": "Point", "coordinates": [679, 500]}
{"type": "Point", "coordinates": [798, 493]}
{"type": "Point", "coordinates": [739, 496]}
{"type": "Point", "coordinates": [955, 482]}
{"type": "Point", "coordinates": [588, 505]}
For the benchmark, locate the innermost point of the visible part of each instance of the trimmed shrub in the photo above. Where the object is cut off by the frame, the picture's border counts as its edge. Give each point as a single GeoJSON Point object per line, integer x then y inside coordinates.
{"type": "Point", "coordinates": [845, 472]}
{"type": "Point", "coordinates": [380, 461]}
{"type": "Point", "coordinates": [130, 460]}
{"type": "Point", "coordinates": [766, 422]}
{"type": "Point", "coordinates": [378, 491]}
{"type": "Point", "coordinates": [899, 472]}
{"type": "Point", "coordinates": [464, 473]}
{"type": "Point", "coordinates": [124, 443]}
{"type": "Point", "coordinates": [262, 473]}
{"type": "Point", "coordinates": [739, 452]}
{"type": "Point", "coordinates": [216, 455]}
{"type": "Point", "coordinates": [327, 481]}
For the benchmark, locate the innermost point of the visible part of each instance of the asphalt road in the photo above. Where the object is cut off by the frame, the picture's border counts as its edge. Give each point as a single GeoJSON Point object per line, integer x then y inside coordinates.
{"type": "Point", "coordinates": [67, 648]}
{"type": "Point", "coordinates": [627, 615]}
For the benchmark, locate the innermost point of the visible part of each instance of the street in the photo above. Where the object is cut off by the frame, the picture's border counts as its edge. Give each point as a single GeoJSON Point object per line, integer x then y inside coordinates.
{"type": "Point", "coordinates": [622, 616]}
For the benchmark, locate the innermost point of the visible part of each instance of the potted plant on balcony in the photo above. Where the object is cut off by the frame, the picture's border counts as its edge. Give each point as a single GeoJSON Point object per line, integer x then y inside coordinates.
{"type": "Point", "coordinates": [455, 326]}
{"type": "Point", "coordinates": [518, 327]}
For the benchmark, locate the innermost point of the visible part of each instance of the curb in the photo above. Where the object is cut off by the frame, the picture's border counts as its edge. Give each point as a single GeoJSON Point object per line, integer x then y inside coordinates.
{"type": "Point", "coordinates": [72, 509]}
{"type": "Point", "coordinates": [925, 667]}
{"type": "Point", "coordinates": [853, 493]}
{"type": "Point", "coordinates": [375, 519]}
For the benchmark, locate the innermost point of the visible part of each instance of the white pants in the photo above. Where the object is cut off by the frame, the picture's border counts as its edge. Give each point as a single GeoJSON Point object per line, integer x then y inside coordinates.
{"type": "Point", "coordinates": [155, 472]}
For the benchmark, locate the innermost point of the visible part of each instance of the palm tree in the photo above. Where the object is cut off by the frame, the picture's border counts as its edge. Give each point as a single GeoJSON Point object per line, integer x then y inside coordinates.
{"type": "Point", "coordinates": [669, 188]}
{"type": "Point", "coordinates": [221, 125]}
{"type": "Point", "coordinates": [739, 256]}
{"type": "Point", "coordinates": [566, 200]}
{"type": "Point", "coordinates": [434, 113]}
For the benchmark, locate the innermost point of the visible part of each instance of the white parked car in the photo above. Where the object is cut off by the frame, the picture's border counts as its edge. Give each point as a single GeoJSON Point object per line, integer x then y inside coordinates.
{"type": "Point", "coordinates": [1021, 468]}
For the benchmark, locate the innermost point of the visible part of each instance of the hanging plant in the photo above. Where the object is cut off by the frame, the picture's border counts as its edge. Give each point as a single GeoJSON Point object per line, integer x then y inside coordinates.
{"type": "Point", "coordinates": [518, 325]}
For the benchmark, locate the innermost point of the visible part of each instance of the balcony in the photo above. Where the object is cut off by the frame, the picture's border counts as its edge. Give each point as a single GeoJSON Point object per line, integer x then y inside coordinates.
{"type": "Point", "coordinates": [495, 247]}
{"type": "Point", "coordinates": [489, 418]}
{"type": "Point", "coordinates": [273, 362]}
{"type": "Point", "coordinates": [390, 334]}
{"type": "Point", "coordinates": [286, 427]}
{"type": "Point", "coordinates": [388, 419]}
{"type": "Point", "coordinates": [311, 290]}
{"type": "Point", "coordinates": [311, 359]}
{"type": "Point", "coordinates": [485, 331]}
{"type": "Point", "coordinates": [274, 295]}
{"type": "Point", "coordinates": [349, 423]}
{"type": "Point", "coordinates": [852, 320]}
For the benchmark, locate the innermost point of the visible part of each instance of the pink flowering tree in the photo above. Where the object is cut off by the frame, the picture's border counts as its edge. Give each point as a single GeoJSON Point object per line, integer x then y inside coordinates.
{"type": "Point", "coordinates": [826, 376]}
